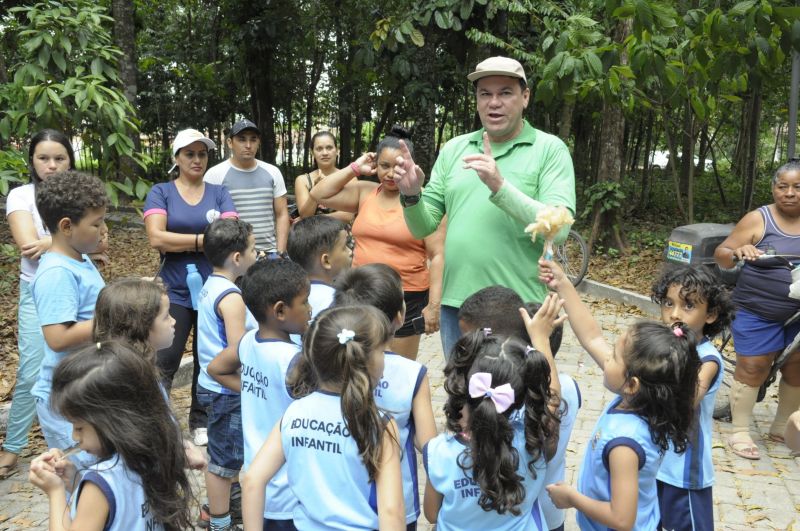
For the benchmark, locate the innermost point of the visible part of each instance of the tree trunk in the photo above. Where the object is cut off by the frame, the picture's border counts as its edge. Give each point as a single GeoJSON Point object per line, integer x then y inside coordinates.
{"type": "Point", "coordinates": [644, 198]}
{"type": "Point", "coordinates": [607, 224]}
{"type": "Point", "coordinates": [565, 122]}
{"type": "Point", "coordinates": [752, 122]}
{"type": "Point", "coordinates": [317, 64]}
{"type": "Point", "coordinates": [672, 167]}
{"type": "Point", "coordinates": [424, 112]}
{"type": "Point", "coordinates": [122, 12]}
{"type": "Point", "coordinates": [687, 160]}
{"type": "Point", "coordinates": [380, 127]}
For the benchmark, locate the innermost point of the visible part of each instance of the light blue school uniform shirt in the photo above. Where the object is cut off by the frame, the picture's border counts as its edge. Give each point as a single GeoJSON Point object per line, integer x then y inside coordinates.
{"type": "Point", "coordinates": [617, 427]}
{"type": "Point", "coordinates": [265, 398]}
{"type": "Point", "coordinates": [460, 510]}
{"type": "Point", "coordinates": [128, 509]}
{"type": "Point", "coordinates": [65, 291]}
{"type": "Point", "coordinates": [694, 469]}
{"type": "Point", "coordinates": [320, 297]}
{"type": "Point", "coordinates": [325, 468]}
{"type": "Point", "coordinates": [211, 335]}
{"type": "Point", "coordinates": [395, 394]}
{"type": "Point", "coordinates": [571, 403]}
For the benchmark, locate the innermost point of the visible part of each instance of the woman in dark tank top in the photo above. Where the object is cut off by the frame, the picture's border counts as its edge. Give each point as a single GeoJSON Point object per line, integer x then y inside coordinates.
{"type": "Point", "coordinates": [763, 305]}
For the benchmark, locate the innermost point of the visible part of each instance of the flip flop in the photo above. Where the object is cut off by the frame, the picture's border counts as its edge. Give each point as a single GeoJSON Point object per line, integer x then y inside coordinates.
{"type": "Point", "coordinates": [774, 437]}
{"type": "Point", "coordinates": [744, 448]}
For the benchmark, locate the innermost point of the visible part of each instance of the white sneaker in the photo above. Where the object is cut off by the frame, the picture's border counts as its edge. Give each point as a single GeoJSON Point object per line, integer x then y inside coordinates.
{"type": "Point", "coordinates": [200, 436]}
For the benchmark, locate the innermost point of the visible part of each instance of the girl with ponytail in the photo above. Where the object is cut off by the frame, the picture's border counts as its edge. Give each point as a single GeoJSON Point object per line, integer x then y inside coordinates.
{"type": "Point", "coordinates": [488, 471]}
{"type": "Point", "coordinates": [341, 452]}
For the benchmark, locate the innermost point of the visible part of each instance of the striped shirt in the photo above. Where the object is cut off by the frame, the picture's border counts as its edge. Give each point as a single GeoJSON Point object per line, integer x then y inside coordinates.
{"type": "Point", "coordinates": [253, 192]}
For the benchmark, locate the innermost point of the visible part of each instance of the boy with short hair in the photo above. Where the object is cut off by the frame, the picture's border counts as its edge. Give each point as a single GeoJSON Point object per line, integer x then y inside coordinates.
{"type": "Point", "coordinates": [72, 206]}
{"type": "Point", "coordinates": [276, 292]}
{"type": "Point", "coordinates": [496, 309]}
{"type": "Point", "coordinates": [320, 245]}
{"type": "Point", "coordinates": [222, 319]}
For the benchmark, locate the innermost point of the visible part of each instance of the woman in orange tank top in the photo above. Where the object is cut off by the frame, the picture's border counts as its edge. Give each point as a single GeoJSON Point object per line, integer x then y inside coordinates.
{"type": "Point", "coordinates": [381, 236]}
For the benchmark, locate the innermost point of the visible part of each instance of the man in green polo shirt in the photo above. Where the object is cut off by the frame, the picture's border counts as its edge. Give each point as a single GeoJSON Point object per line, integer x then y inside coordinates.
{"type": "Point", "coordinates": [490, 183]}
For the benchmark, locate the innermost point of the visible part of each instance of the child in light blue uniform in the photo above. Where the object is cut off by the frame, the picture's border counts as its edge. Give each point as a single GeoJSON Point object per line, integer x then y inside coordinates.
{"type": "Point", "coordinates": [222, 320]}
{"type": "Point", "coordinates": [125, 489]}
{"type": "Point", "coordinates": [276, 292]}
{"type": "Point", "coordinates": [490, 309]}
{"type": "Point", "coordinates": [694, 297]}
{"type": "Point", "coordinates": [320, 245]}
{"type": "Point", "coordinates": [653, 368]}
{"type": "Point", "coordinates": [341, 453]}
{"type": "Point", "coordinates": [489, 470]}
{"type": "Point", "coordinates": [403, 390]}
{"type": "Point", "coordinates": [73, 207]}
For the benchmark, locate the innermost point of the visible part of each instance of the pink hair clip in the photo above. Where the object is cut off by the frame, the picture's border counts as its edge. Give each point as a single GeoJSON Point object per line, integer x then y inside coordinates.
{"type": "Point", "coordinates": [678, 331]}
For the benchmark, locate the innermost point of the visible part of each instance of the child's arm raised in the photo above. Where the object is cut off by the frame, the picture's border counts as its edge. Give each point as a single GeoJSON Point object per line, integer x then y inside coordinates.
{"type": "Point", "coordinates": [620, 512]}
{"type": "Point", "coordinates": [269, 459]}
{"type": "Point", "coordinates": [540, 327]}
{"type": "Point", "coordinates": [422, 413]}
{"type": "Point", "coordinates": [224, 368]}
{"type": "Point", "coordinates": [580, 319]}
{"type": "Point", "coordinates": [389, 483]}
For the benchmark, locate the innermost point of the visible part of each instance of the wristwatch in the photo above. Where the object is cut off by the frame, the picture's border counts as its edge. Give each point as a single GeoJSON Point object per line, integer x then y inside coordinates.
{"type": "Point", "coordinates": [409, 200]}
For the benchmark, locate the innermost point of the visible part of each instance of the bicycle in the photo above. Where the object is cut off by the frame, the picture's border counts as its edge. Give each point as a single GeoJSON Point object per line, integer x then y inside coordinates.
{"type": "Point", "coordinates": [722, 407]}
{"type": "Point", "coordinates": [573, 257]}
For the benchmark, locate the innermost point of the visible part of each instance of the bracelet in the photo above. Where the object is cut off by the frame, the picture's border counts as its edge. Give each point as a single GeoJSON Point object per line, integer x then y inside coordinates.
{"type": "Point", "coordinates": [196, 244]}
{"type": "Point", "coordinates": [356, 170]}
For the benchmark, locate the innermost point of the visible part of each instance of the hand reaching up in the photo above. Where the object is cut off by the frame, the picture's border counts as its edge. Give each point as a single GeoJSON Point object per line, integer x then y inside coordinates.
{"type": "Point", "coordinates": [542, 323]}
{"type": "Point", "coordinates": [551, 274]}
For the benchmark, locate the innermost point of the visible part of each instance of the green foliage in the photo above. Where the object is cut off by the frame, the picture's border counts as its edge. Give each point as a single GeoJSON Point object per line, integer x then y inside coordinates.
{"type": "Point", "coordinates": [604, 195]}
{"type": "Point", "coordinates": [13, 169]}
{"type": "Point", "coordinates": [64, 76]}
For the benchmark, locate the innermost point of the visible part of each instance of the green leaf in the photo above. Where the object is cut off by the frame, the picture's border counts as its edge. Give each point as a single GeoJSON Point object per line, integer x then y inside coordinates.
{"type": "Point", "coordinates": [142, 189]}
{"type": "Point", "coordinates": [58, 59]}
{"type": "Point", "coordinates": [417, 38]}
{"type": "Point", "coordinates": [440, 21]}
{"type": "Point", "coordinates": [5, 127]}
{"type": "Point", "coordinates": [112, 138]}
{"type": "Point", "coordinates": [41, 104]}
{"type": "Point", "coordinates": [698, 107]}
{"type": "Point", "coordinates": [644, 14]}
{"type": "Point", "coordinates": [466, 9]}
{"type": "Point", "coordinates": [593, 63]}
{"type": "Point", "coordinates": [97, 67]}
{"type": "Point", "coordinates": [44, 56]}
{"type": "Point", "coordinates": [741, 8]}
{"type": "Point", "coordinates": [53, 97]}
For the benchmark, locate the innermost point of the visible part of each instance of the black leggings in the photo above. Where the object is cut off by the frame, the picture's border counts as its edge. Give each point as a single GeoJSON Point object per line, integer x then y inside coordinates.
{"type": "Point", "coordinates": [169, 359]}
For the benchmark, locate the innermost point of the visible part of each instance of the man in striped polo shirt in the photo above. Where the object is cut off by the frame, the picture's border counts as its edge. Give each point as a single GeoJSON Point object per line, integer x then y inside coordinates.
{"type": "Point", "coordinates": [257, 188]}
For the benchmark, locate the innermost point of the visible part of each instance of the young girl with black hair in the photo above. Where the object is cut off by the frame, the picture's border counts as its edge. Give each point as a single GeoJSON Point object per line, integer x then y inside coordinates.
{"type": "Point", "coordinates": [653, 367]}
{"type": "Point", "coordinates": [342, 454]}
{"type": "Point", "coordinates": [111, 396]}
{"type": "Point", "coordinates": [488, 471]}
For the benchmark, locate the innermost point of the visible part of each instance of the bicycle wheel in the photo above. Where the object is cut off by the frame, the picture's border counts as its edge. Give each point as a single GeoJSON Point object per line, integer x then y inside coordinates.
{"type": "Point", "coordinates": [573, 257]}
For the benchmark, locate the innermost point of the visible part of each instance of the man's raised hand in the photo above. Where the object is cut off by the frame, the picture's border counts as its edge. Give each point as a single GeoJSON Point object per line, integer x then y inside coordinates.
{"type": "Point", "coordinates": [407, 175]}
{"type": "Point", "coordinates": [485, 166]}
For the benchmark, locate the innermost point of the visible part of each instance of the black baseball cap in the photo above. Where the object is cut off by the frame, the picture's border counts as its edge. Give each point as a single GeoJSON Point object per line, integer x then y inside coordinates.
{"type": "Point", "coordinates": [243, 125]}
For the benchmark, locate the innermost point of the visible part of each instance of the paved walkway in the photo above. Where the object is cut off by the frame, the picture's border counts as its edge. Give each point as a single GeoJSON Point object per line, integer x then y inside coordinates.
{"type": "Point", "coordinates": [748, 495]}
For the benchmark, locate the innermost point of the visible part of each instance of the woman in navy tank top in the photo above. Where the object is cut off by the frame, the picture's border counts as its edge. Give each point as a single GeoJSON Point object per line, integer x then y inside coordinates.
{"type": "Point", "coordinates": [763, 305]}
